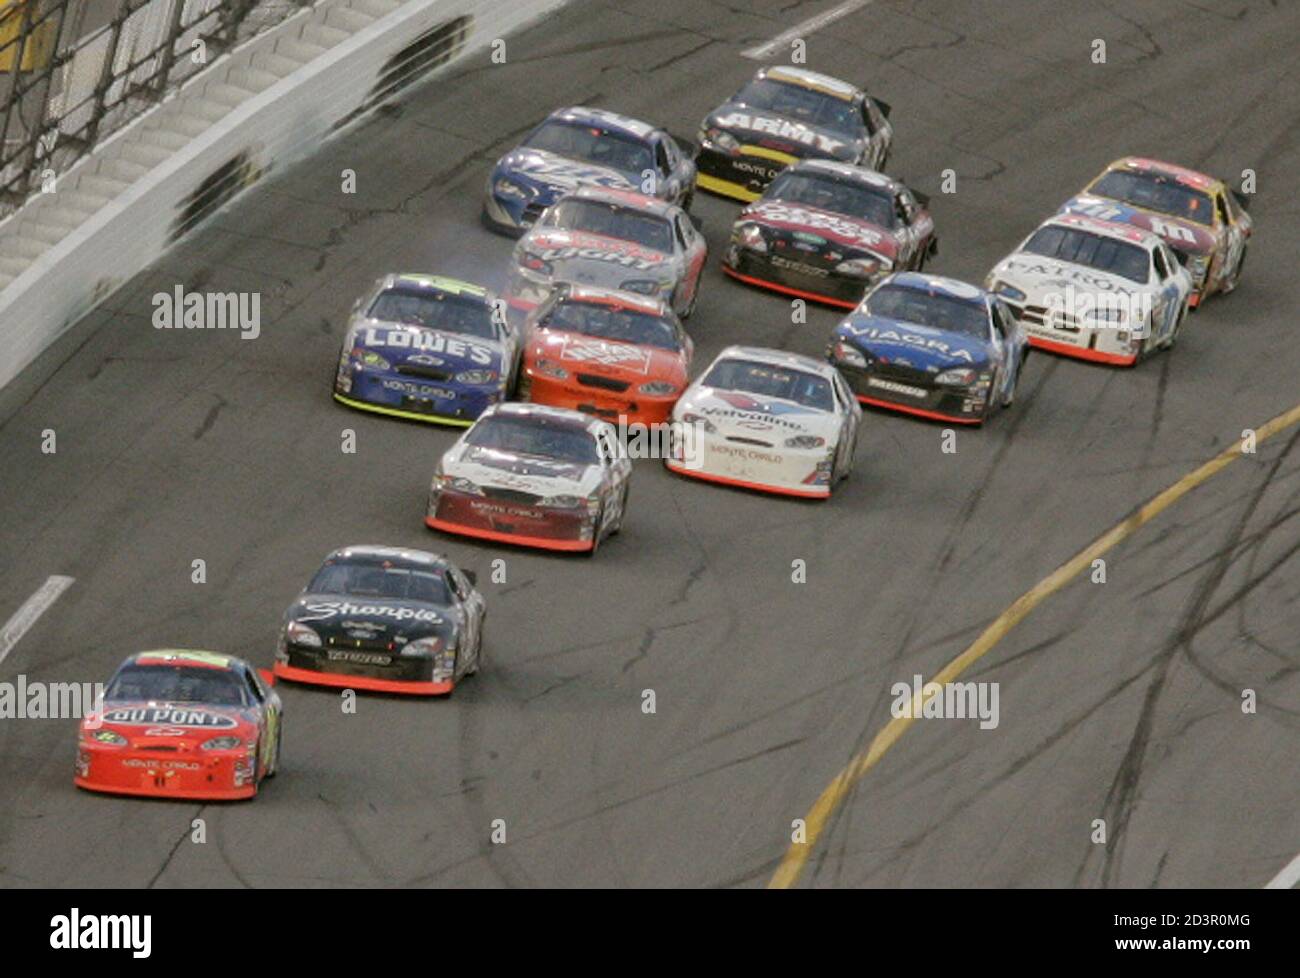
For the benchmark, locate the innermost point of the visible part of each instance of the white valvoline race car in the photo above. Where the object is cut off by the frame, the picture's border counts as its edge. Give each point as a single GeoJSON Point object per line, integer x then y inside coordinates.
{"type": "Point", "coordinates": [537, 476]}
{"type": "Point", "coordinates": [768, 420]}
{"type": "Point", "coordinates": [1096, 290]}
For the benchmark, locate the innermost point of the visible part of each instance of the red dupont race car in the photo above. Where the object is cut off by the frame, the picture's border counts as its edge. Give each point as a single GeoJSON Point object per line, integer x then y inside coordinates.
{"type": "Point", "coordinates": [180, 724]}
{"type": "Point", "coordinates": [829, 232]}
{"type": "Point", "coordinates": [618, 356]}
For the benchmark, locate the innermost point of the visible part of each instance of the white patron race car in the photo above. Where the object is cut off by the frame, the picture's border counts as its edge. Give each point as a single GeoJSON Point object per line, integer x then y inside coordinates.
{"type": "Point", "coordinates": [768, 420]}
{"type": "Point", "coordinates": [1094, 289]}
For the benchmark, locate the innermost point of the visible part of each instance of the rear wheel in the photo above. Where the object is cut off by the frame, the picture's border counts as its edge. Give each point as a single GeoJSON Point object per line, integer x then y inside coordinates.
{"type": "Point", "coordinates": [597, 533]}
{"type": "Point", "coordinates": [622, 513]}
{"type": "Point", "coordinates": [1231, 283]}
{"type": "Point", "coordinates": [274, 766]}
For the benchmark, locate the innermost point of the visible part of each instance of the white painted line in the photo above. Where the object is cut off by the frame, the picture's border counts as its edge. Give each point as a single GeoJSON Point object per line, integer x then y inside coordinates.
{"type": "Point", "coordinates": [32, 609]}
{"type": "Point", "coordinates": [1286, 879]}
{"type": "Point", "coordinates": [809, 26]}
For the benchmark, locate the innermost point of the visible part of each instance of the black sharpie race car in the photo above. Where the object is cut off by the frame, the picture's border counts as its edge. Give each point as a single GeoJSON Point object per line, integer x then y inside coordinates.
{"type": "Point", "coordinates": [784, 115]}
{"type": "Point", "coordinates": [829, 231]}
{"type": "Point", "coordinates": [581, 147]}
{"type": "Point", "coordinates": [386, 619]}
{"type": "Point", "coordinates": [181, 724]}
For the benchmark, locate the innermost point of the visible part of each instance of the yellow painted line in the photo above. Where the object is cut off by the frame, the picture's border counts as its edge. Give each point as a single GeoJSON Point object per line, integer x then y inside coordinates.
{"type": "Point", "coordinates": [792, 863]}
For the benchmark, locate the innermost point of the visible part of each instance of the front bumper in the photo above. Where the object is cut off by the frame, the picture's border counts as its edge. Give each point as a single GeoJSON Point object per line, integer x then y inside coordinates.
{"type": "Point", "coordinates": [377, 670]}
{"type": "Point", "coordinates": [742, 175]}
{"type": "Point", "coordinates": [616, 408]}
{"type": "Point", "coordinates": [913, 396]}
{"type": "Point", "coordinates": [792, 277]}
{"type": "Point", "coordinates": [506, 522]}
{"type": "Point", "coordinates": [510, 215]}
{"type": "Point", "coordinates": [220, 776]}
{"type": "Point", "coordinates": [414, 398]}
{"type": "Point", "coordinates": [787, 472]}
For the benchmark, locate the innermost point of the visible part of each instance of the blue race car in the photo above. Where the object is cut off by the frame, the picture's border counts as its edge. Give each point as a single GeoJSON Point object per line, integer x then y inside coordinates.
{"type": "Point", "coordinates": [429, 349]}
{"type": "Point", "coordinates": [581, 147]}
{"type": "Point", "coordinates": [931, 346]}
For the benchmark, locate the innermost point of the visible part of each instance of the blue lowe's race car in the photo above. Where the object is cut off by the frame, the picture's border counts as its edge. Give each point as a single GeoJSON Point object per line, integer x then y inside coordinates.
{"type": "Point", "coordinates": [581, 147]}
{"type": "Point", "coordinates": [931, 346]}
{"type": "Point", "coordinates": [427, 348]}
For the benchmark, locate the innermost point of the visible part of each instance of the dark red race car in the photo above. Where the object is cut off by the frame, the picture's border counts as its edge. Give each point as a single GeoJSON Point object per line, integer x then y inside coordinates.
{"type": "Point", "coordinates": [180, 724]}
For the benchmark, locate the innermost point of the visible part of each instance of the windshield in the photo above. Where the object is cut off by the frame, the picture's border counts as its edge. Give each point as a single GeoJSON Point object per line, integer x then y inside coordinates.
{"type": "Point", "coordinates": [434, 310]}
{"type": "Point", "coordinates": [593, 144]}
{"type": "Point", "coordinates": [380, 579]}
{"type": "Point", "coordinates": [1156, 193]}
{"type": "Point", "coordinates": [1094, 250]}
{"type": "Point", "coordinates": [767, 380]}
{"type": "Point", "coordinates": [846, 197]}
{"type": "Point", "coordinates": [179, 684]}
{"type": "Point", "coordinates": [927, 308]}
{"type": "Point", "coordinates": [541, 436]}
{"type": "Point", "coordinates": [609, 323]}
{"type": "Point", "coordinates": [811, 107]}
{"type": "Point", "coordinates": [612, 221]}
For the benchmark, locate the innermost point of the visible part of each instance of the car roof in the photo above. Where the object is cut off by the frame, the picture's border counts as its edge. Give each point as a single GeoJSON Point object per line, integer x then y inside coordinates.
{"type": "Point", "coordinates": [777, 358]}
{"type": "Point", "coordinates": [526, 409]}
{"type": "Point", "coordinates": [860, 174]}
{"type": "Point", "coordinates": [1192, 178]}
{"type": "Point", "coordinates": [1109, 229]}
{"type": "Point", "coordinates": [617, 297]}
{"type": "Point", "coordinates": [604, 119]}
{"type": "Point", "coordinates": [404, 555]}
{"type": "Point", "coordinates": [437, 283]}
{"type": "Point", "coordinates": [625, 198]}
{"type": "Point", "coordinates": [951, 287]}
{"type": "Point", "coordinates": [186, 657]}
{"type": "Point", "coordinates": [814, 80]}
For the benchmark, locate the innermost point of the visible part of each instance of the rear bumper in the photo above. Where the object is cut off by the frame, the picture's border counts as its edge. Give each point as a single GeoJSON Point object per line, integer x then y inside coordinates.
{"type": "Point", "coordinates": [340, 681]}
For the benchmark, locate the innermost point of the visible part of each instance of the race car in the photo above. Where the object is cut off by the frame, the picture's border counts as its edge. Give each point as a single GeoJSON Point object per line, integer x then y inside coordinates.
{"type": "Point", "coordinates": [387, 619]}
{"type": "Point", "coordinates": [769, 420]}
{"type": "Point", "coordinates": [827, 231]}
{"type": "Point", "coordinates": [613, 238]}
{"type": "Point", "coordinates": [784, 115]}
{"type": "Point", "coordinates": [1096, 290]}
{"type": "Point", "coordinates": [182, 724]}
{"type": "Point", "coordinates": [581, 147]}
{"type": "Point", "coordinates": [428, 349]}
{"type": "Point", "coordinates": [931, 346]}
{"type": "Point", "coordinates": [616, 355]}
{"type": "Point", "coordinates": [1204, 222]}
{"type": "Point", "coordinates": [535, 476]}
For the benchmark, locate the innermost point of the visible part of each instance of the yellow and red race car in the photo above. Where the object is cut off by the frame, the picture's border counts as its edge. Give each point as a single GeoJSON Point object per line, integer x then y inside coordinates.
{"type": "Point", "coordinates": [615, 355]}
{"type": "Point", "coordinates": [1199, 217]}
{"type": "Point", "coordinates": [181, 724]}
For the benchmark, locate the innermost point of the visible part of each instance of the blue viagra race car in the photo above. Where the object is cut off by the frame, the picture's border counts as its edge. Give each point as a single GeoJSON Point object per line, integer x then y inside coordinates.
{"type": "Point", "coordinates": [931, 346]}
{"type": "Point", "coordinates": [429, 349]}
{"type": "Point", "coordinates": [581, 147]}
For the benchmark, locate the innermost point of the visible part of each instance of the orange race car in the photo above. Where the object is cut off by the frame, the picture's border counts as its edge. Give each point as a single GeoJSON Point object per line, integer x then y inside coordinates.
{"type": "Point", "coordinates": [615, 355]}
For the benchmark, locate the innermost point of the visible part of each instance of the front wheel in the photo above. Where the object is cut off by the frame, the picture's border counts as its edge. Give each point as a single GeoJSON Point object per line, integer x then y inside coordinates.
{"type": "Point", "coordinates": [1231, 283]}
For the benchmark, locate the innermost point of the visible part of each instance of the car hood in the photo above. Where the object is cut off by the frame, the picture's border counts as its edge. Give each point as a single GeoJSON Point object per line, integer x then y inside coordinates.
{"type": "Point", "coordinates": [734, 413]}
{"type": "Point", "coordinates": [492, 468]}
{"type": "Point", "coordinates": [349, 617]}
{"type": "Point", "coordinates": [1037, 277]}
{"type": "Point", "coordinates": [910, 344]}
{"type": "Point", "coordinates": [781, 132]}
{"type": "Point", "coordinates": [839, 229]}
{"type": "Point", "coordinates": [180, 723]}
{"type": "Point", "coordinates": [1178, 233]}
{"type": "Point", "coordinates": [398, 343]}
{"type": "Point", "coordinates": [593, 259]}
{"type": "Point", "coordinates": [558, 174]}
{"type": "Point", "coordinates": [634, 363]}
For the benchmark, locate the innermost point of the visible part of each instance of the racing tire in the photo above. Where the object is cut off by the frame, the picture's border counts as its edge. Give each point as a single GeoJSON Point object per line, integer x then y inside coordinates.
{"type": "Point", "coordinates": [1169, 342]}
{"type": "Point", "coordinates": [1010, 399]}
{"type": "Point", "coordinates": [274, 766]}
{"type": "Point", "coordinates": [617, 528]}
{"type": "Point", "coordinates": [597, 534]}
{"type": "Point", "coordinates": [690, 310]}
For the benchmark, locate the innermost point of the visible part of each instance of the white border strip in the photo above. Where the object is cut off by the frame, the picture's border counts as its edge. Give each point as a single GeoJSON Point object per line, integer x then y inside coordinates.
{"type": "Point", "coordinates": [26, 616]}
{"type": "Point", "coordinates": [813, 24]}
{"type": "Point", "coordinates": [1286, 879]}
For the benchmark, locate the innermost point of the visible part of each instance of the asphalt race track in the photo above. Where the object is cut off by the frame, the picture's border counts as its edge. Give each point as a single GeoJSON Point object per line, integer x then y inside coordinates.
{"type": "Point", "coordinates": [1118, 701]}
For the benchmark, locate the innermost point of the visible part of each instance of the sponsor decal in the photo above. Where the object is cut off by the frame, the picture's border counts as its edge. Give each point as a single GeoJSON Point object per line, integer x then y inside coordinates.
{"type": "Point", "coordinates": [605, 354]}
{"type": "Point", "coordinates": [359, 658]}
{"type": "Point", "coordinates": [327, 610]}
{"type": "Point", "coordinates": [841, 227]}
{"type": "Point", "coordinates": [418, 390]}
{"type": "Point", "coordinates": [550, 468]}
{"type": "Point", "coordinates": [568, 173]}
{"type": "Point", "coordinates": [1062, 275]}
{"type": "Point", "coordinates": [745, 454]}
{"type": "Point", "coordinates": [889, 385]}
{"type": "Point", "coordinates": [901, 336]}
{"type": "Point", "coordinates": [427, 341]}
{"type": "Point", "coordinates": [780, 128]}
{"type": "Point", "coordinates": [165, 765]}
{"type": "Point", "coordinates": [171, 716]}
{"type": "Point", "coordinates": [752, 404]}
{"type": "Point", "coordinates": [797, 266]}
{"type": "Point", "coordinates": [613, 256]}
{"type": "Point", "coordinates": [500, 509]}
